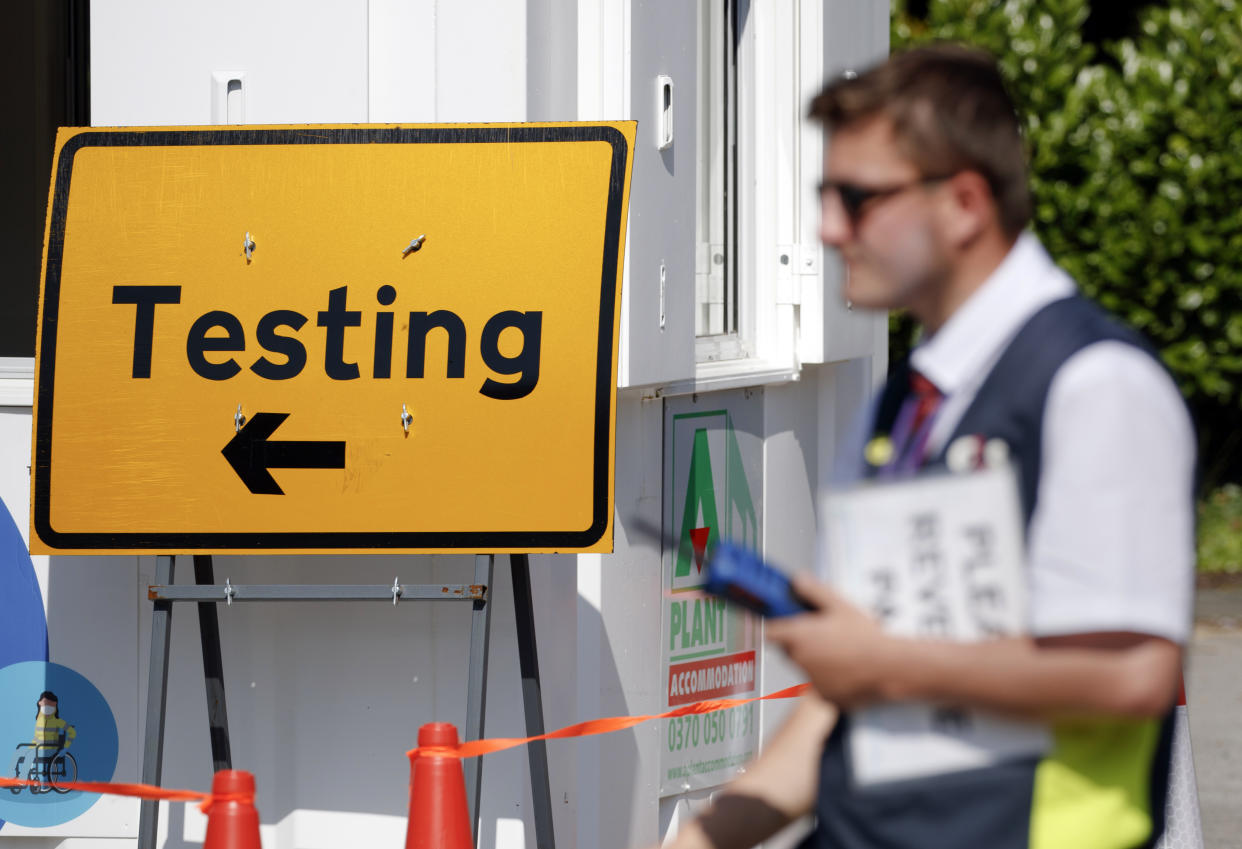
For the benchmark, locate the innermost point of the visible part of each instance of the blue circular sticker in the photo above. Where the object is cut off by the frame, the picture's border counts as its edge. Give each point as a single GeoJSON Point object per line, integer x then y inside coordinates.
{"type": "Point", "coordinates": [55, 728]}
{"type": "Point", "coordinates": [23, 627]}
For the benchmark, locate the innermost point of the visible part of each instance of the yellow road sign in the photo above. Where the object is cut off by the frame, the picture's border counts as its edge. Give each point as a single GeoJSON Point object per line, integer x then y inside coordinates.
{"type": "Point", "coordinates": [313, 339]}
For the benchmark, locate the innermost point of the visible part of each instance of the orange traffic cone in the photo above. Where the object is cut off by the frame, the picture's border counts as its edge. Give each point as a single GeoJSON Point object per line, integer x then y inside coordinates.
{"type": "Point", "coordinates": [438, 815]}
{"type": "Point", "coordinates": [232, 821]}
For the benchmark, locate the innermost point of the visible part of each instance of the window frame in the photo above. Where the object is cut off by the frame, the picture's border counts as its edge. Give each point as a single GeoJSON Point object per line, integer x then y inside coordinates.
{"type": "Point", "coordinates": [772, 213]}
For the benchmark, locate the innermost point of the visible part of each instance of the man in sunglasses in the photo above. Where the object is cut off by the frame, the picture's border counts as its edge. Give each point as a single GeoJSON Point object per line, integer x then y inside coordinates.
{"type": "Point", "coordinates": [925, 199]}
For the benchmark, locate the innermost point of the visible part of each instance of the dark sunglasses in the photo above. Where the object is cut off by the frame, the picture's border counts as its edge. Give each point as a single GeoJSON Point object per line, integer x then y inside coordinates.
{"type": "Point", "coordinates": [854, 198]}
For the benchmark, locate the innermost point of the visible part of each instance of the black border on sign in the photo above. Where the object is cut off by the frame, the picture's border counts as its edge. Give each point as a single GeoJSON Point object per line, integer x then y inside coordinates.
{"type": "Point", "coordinates": [289, 541]}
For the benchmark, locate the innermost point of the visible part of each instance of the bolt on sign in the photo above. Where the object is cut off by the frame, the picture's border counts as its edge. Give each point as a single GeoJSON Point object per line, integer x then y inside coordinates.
{"type": "Point", "coordinates": [712, 490]}
{"type": "Point", "coordinates": [329, 338]}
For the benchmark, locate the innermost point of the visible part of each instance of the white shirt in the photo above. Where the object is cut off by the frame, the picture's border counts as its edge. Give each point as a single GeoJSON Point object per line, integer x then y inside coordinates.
{"type": "Point", "coordinates": [1111, 542]}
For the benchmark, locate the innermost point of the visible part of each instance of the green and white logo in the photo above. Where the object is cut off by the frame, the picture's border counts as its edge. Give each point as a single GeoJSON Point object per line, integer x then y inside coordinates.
{"type": "Point", "coordinates": [700, 524]}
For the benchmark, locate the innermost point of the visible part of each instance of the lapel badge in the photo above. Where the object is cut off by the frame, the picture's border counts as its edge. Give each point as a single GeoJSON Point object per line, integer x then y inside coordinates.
{"type": "Point", "coordinates": [971, 453]}
{"type": "Point", "coordinates": [878, 452]}
{"type": "Point", "coordinates": [965, 454]}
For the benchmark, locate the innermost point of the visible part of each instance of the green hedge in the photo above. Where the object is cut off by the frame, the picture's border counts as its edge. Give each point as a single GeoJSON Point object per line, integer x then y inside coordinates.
{"type": "Point", "coordinates": [1136, 172]}
{"type": "Point", "coordinates": [1220, 530]}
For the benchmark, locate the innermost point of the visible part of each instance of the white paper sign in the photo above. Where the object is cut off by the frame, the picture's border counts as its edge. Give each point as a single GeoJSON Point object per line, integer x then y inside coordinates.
{"type": "Point", "coordinates": [934, 557]}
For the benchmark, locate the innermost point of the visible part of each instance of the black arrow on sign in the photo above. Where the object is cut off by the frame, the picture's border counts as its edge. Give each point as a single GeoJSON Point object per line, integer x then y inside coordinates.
{"type": "Point", "coordinates": [251, 454]}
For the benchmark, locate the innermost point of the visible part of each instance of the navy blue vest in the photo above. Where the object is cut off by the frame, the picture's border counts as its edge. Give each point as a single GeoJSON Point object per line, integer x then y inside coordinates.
{"type": "Point", "coordinates": [987, 807]}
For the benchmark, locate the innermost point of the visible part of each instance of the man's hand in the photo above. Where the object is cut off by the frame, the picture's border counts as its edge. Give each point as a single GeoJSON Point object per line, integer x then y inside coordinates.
{"type": "Point", "coordinates": [851, 662]}
{"type": "Point", "coordinates": [841, 648]}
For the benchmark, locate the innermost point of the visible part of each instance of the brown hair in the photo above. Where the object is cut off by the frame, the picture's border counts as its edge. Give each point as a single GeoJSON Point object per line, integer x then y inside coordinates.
{"type": "Point", "coordinates": [950, 111]}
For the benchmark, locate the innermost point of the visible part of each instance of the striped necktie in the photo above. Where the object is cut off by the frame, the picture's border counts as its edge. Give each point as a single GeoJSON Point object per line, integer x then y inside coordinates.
{"type": "Point", "coordinates": [919, 411]}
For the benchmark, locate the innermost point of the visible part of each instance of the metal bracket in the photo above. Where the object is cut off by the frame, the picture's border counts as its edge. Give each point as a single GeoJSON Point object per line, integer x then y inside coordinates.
{"type": "Point", "coordinates": [230, 592]}
{"type": "Point", "coordinates": [414, 245]}
{"type": "Point", "coordinates": [788, 283]}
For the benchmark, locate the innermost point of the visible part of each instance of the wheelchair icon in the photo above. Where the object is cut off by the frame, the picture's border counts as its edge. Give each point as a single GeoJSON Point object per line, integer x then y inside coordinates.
{"type": "Point", "coordinates": [48, 764]}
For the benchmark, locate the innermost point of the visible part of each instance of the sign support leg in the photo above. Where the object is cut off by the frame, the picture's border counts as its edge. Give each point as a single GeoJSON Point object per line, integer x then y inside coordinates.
{"type": "Point", "coordinates": [476, 689]}
{"type": "Point", "coordinates": [213, 669]}
{"type": "Point", "coordinates": [157, 701]}
{"type": "Point", "coordinates": [532, 700]}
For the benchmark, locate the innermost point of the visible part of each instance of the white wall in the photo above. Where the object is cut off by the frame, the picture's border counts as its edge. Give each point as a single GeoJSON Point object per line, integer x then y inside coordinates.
{"type": "Point", "coordinates": [92, 605]}
{"type": "Point", "coordinates": [440, 60]}
{"type": "Point", "coordinates": [338, 61]}
{"type": "Point", "coordinates": [152, 62]}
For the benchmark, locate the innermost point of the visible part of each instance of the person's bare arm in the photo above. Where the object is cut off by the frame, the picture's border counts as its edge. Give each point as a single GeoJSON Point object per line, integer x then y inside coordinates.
{"type": "Point", "coordinates": [851, 661]}
{"type": "Point", "coordinates": [777, 788]}
{"type": "Point", "coordinates": [1117, 674]}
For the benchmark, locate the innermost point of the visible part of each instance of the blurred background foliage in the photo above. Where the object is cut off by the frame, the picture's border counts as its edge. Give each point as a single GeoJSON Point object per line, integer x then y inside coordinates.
{"type": "Point", "coordinates": [1220, 531]}
{"type": "Point", "coordinates": [1134, 117]}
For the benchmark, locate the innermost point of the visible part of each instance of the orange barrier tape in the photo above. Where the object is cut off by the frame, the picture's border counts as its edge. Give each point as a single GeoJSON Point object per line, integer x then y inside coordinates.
{"type": "Point", "coordinates": [471, 749]}
{"type": "Point", "coordinates": [474, 748]}
{"type": "Point", "coordinates": [142, 791]}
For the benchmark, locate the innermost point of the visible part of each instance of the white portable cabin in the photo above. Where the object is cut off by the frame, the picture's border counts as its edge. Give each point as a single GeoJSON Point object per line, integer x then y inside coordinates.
{"type": "Point", "coordinates": [730, 306]}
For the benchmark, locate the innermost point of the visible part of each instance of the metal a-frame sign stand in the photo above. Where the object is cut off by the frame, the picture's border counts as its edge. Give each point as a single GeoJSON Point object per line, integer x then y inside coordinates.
{"type": "Point", "coordinates": [163, 593]}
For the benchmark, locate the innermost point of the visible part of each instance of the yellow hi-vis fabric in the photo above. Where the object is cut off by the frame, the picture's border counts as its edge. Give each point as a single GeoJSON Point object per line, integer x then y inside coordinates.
{"type": "Point", "coordinates": [1094, 787]}
{"type": "Point", "coordinates": [48, 730]}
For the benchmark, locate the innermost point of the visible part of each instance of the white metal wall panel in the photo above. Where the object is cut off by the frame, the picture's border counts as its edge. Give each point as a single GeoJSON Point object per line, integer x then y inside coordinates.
{"type": "Point", "coordinates": [90, 604]}
{"type": "Point", "coordinates": [401, 61]}
{"type": "Point", "coordinates": [446, 61]}
{"type": "Point", "coordinates": [618, 665]}
{"type": "Point", "coordinates": [152, 61]}
{"type": "Point", "coordinates": [793, 434]}
{"type": "Point", "coordinates": [662, 198]}
{"type": "Point", "coordinates": [551, 60]}
{"type": "Point", "coordinates": [480, 60]}
{"type": "Point", "coordinates": [850, 36]}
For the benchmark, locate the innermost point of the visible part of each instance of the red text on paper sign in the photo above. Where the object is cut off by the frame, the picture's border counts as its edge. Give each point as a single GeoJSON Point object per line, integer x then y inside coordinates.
{"type": "Point", "coordinates": [711, 678]}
